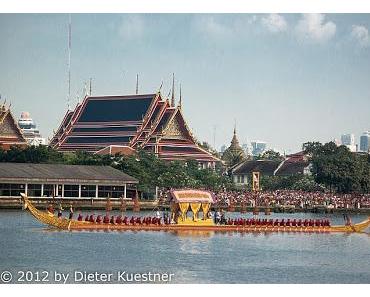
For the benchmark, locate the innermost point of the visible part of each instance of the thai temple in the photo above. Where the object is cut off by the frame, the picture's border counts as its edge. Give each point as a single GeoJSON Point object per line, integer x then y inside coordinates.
{"type": "Point", "coordinates": [234, 153]}
{"type": "Point", "coordinates": [103, 124]}
{"type": "Point", "coordinates": [29, 129]}
{"type": "Point", "coordinates": [10, 133]}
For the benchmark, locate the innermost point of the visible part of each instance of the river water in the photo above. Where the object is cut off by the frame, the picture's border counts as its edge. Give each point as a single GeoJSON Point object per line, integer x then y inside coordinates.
{"type": "Point", "coordinates": [26, 245]}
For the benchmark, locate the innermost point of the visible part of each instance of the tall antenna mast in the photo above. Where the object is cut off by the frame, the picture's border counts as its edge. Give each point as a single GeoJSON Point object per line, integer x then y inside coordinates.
{"type": "Point", "coordinates": [180, 102]}
{"type": "Point", "coordinates": [90, 89]}
{"type": "Point", "coordinates": [137, 84]}
{"type": "Point", "coordinates": [173, 90]}
{"type": "Point", "coordinates": [214, 136]}
{"type": "Point", "coordinates": [69, 61]}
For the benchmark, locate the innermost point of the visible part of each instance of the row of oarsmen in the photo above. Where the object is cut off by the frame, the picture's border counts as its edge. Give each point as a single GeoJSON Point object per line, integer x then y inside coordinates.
{"type": "Point", "coordinates": [277, 222]}
{"type": "Point", "coordinates": [123, 220]}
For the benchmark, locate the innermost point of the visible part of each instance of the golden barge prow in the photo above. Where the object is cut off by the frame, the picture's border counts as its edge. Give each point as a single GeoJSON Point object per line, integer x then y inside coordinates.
{"type": "Point", "coordinates": [180, 203]}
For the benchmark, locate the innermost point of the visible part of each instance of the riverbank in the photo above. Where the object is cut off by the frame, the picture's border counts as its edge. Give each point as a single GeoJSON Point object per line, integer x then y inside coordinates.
{"type": "Point", "coordinates": [100, 204]}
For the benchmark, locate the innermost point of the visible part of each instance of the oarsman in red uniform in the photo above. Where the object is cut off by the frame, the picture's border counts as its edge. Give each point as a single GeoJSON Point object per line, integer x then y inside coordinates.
{"type": "Point", "coordinates": [106, 219]}
{"type": "Point", "coordinates": [125, 220]}
{"type": "Point", "coordinates": [132, 221]}
{"type": "Point", "coordinates": [92, 219]}
{"type": "Point", "coordinates": [119, 220]}
{"type": "Point", "coordinates": [79, 217]}
{"type": "Point", "coordinates": [87, 218]}
{"type": "Point", "coordinates": [294, 223]}
{"type": "Point", "coordinates": [99, 219]}
{"type": "Point", "coordinates": [112, 220]}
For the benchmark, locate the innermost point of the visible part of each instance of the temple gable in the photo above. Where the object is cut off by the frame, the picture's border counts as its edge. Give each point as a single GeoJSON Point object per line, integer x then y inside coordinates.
{"type": "Point", "coordinates": [175, 129]}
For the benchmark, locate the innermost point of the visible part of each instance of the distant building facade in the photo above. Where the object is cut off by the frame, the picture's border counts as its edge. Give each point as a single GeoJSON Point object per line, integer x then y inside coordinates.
{"type": "Point", "coordinates": [258, 147]}
{"type": "Point", "coordinates": [291, 165]}
{"type": "Point", "coordinates": [348, 140]}
{"type": "Point", "coordinates": [64, 181]}
{"type": "Point", "coordinates": [365, 141]}
{"type": "Point", "coordinates": [10, 133]}
{"type": "Point", "coordinates": [30, 131]}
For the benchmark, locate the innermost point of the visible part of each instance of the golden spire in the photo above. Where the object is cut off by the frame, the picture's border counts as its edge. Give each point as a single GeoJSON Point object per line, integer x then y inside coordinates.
{"type": "Point", "coordinates": [234, 140]}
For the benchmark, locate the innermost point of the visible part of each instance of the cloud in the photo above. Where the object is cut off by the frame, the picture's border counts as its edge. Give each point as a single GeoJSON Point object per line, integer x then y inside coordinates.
{"type": "Point", "coordinates": [210, 25]}
{"type": "Point", "coordinates": [253, 19]}
{"type": "Point", "coordinates": [274, 23]}
{"type": "Point", "coordinates": [361, 35]}
{"type": "Point", "coordinates": [312, 27]}
{"type": "Point", "coordinates": [131, 27]}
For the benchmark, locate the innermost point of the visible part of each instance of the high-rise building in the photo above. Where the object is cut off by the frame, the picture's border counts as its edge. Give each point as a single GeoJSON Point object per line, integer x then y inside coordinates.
{"type": "Point", "coordinates": [258, 147]}
{"type": "Point", "coordinates": [247, 148]}
{"type": "Point", "coordinates": [365, 141]}
{"type": "Point", "coordinates": [349, 141]}
{"type": "Point", "coordinates": [29, 129]}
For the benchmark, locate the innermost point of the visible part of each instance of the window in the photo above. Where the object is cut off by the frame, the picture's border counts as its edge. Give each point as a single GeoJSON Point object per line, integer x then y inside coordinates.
{"type": "Point", "coordinates": [49, 190]}
{"type": "Point", "coordinates": [11, 189]}
{"type": "Point", "coordinates": [70, 190]}
{"type": "Point", "coordinates": [34, 190]}
{"type": "Point", "coordinates": [88, 190]}
{"type": "Point", "coordinates": [60, 190]}
{"type": "Point", "coordinates": [110, 191]}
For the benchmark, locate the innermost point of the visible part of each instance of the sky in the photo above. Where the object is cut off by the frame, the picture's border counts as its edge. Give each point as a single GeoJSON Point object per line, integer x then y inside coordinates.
{"type": "Point", "coordinates": [280, 78]}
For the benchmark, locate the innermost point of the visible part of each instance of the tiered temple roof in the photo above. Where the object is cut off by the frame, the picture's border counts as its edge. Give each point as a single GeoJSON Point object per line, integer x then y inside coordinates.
{"type": "Point", "coordinates": [138, 121]}
{"type": "Point", "coordinates": [10, 133]}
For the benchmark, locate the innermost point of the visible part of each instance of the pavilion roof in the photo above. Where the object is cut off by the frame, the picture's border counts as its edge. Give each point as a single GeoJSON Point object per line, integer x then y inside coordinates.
{"type": "Point", "coordinates": [192, 196]}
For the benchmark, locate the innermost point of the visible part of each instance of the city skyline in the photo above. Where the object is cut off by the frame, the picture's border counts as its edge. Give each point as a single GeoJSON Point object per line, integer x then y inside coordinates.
{"type": "Point", "coordinates": [286, 79]}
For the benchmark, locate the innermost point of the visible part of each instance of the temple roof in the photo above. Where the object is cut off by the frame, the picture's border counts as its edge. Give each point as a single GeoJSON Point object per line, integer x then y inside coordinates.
{"type": "Point", "coordinates": [288, 166]}
{"type": "Point", "coordinates": [10, 132]}
{"type": "Point", "coordinates": [145, 121]}
{"type": "Point", "coordinates": [266, 167]}
{"type": "Point", "coordinates": [50, 173]}
{"type": "Point", "coordinates": [115, 108]}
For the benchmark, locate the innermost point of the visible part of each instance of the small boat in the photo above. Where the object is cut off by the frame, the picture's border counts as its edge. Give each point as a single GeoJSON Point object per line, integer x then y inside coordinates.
{"type": "Point", "coordinates": [183, 201]}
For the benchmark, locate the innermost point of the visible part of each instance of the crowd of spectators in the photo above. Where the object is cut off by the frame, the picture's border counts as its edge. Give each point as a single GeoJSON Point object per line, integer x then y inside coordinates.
{"type": "Point", "coordinates": [288, 198]}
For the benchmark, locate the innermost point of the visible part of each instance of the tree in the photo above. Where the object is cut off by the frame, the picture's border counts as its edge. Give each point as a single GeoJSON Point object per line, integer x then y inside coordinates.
{"type": "Point", "coordinates": [270, 155]}
{"type": "Point", "coordinates": [338, 168]}
{"type": "Point", "coordinates": [233, 157]}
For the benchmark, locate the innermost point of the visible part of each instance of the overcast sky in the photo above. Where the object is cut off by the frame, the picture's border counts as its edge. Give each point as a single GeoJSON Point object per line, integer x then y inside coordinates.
{"type": "Point", "coordinates": [284, 79]}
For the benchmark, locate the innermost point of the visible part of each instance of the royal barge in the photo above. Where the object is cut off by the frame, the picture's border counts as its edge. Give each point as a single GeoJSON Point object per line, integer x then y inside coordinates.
{"type": "Point", "coordinates": [182, 202]}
